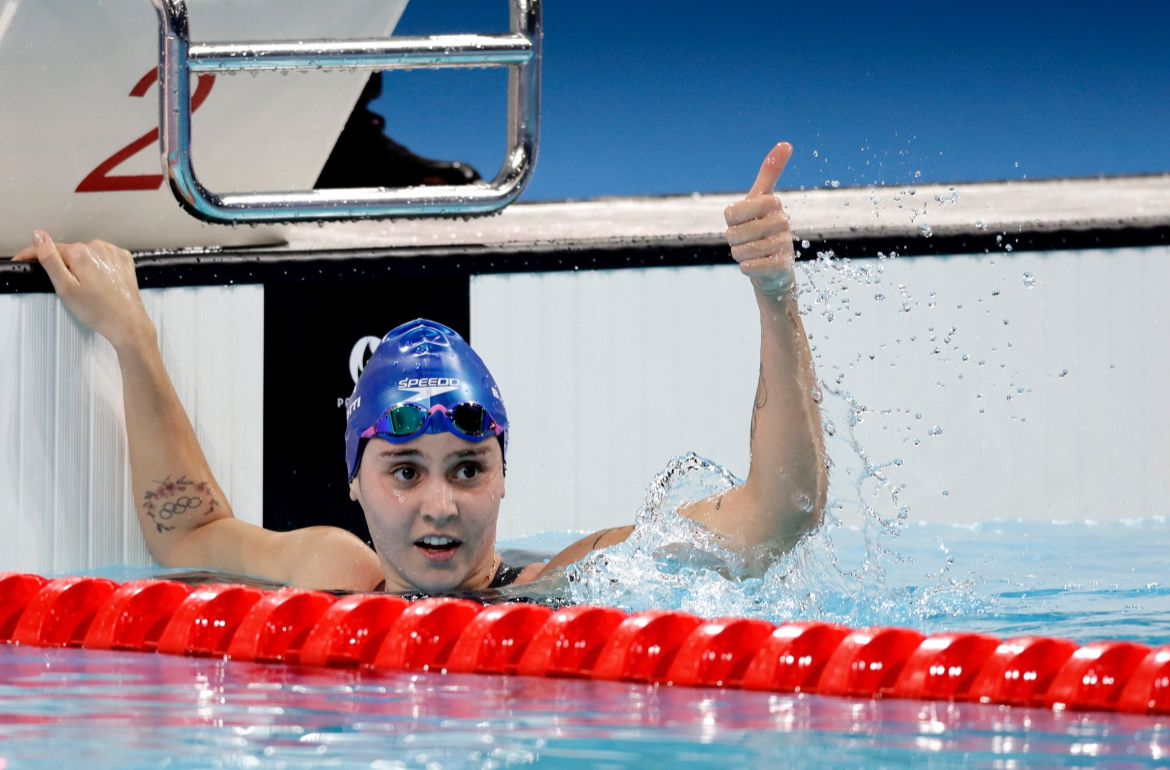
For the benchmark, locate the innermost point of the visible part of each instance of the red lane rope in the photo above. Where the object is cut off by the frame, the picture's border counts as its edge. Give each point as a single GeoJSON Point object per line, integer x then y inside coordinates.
{"type": "Point", "coordinates": [387, 633]}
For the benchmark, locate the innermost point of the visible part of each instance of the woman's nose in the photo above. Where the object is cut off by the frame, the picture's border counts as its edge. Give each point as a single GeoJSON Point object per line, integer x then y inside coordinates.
{"type": "Point", "coordinates": [438, 503]}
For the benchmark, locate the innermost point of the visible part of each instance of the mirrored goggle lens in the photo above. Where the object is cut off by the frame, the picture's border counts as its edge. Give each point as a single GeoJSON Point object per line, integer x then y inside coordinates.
{"type": "Point", "coordinates": [406, 420]}
{"type": "Point", "coordinates": [470, 419]}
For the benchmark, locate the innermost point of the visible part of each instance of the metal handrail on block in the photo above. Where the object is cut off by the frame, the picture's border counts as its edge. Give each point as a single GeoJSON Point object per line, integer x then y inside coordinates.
{"type": "Point", "coordinates": [179, 58]}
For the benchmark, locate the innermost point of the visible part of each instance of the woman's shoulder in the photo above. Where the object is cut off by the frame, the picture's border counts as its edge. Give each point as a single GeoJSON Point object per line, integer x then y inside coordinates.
{"type": "Point", "coordinates": [575, 552]}
{"type": "Point", "coordinates": [327, 557]}
{"type": "Point", "coordinates": [529, 573]}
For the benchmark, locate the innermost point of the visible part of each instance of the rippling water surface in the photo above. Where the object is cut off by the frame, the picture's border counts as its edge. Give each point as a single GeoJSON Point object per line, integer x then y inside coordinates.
{"type": "Point", "coordinates": [68, 708]}
{"type": "Point", "coordinates": [1082, 581]}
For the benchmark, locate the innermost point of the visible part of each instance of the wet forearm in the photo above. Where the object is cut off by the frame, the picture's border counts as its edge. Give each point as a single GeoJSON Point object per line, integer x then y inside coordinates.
{"type": "Point", "coordinates": [172, 483]}
{"type": "Point", "coordinates": [787, 444]}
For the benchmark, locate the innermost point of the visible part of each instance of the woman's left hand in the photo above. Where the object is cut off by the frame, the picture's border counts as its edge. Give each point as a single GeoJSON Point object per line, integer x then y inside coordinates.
{"type": "Point", "coordinates": [758, 230]}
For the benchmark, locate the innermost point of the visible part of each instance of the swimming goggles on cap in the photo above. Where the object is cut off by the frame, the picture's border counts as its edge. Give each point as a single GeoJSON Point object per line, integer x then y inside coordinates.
{"type": "Point", "coordinates": [405, 421]}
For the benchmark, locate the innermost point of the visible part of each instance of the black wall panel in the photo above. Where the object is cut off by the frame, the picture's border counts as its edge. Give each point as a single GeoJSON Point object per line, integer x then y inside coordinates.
{"type": "Point", "coordinates": [311, 330]}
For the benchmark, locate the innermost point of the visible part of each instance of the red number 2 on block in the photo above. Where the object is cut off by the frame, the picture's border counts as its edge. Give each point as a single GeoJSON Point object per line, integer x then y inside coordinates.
{"type": "Point", "coordinates": [100, 179]}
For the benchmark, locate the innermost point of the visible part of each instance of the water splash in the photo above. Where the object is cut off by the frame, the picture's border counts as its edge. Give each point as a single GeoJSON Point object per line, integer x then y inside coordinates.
{"type": "Point", "coordinates": [672, 562]}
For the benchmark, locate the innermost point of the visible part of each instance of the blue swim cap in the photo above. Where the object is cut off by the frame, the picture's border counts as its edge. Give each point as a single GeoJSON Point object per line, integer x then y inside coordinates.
{"type": "Point", "coordinates": [424, 363]}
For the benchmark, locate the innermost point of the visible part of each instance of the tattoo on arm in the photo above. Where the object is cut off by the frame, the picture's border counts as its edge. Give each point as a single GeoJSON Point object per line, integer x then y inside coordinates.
{"type": "Point", "coordinates": [597, 540]}
{"type": "Point", "coordinates": [761, 399]}
{"type": "Point", "coordinates": [170, 499]}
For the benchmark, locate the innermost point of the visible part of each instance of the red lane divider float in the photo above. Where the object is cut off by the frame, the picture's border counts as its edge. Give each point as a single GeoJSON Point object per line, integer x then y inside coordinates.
{"type": "Point", "coordinates": [1093, 678]}
{"type": "Point", "coordinates": [570, 641]}
{"type": "Point", "coordinates": [1020, 671]}
{"type": "Point", "coordinates": [204, 622]}
{"type": "Point", "coordinates": [387, 633]}
{"type": "Point", "coordinates": [643, 646]}
{"type": "Point", "coordinates": [16, 591]}
{"type": "Point", "coordinates": [1148, 690]}
{"type": "Point", "coordinates": [136, 615]}
{"type": "Point", "coordinates": [944, 666]}
{"type": "Point", "coordinates": [868, 662]}
{"type": "Point", "coordinates": [793, 657]}
{"type": "Point", "coordinates": [717, 653]}
{"type": "Point", "coordinates": [350, 631]}
{"type": "Point", "coordinates": [276, 628]}
{"type": "Point", "coordinates": [494, 640]}
{"type": "Point", "coordinates": [60, 614]}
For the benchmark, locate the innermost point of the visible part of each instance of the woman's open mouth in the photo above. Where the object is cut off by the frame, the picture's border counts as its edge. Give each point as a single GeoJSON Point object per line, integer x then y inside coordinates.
{"type": "Point", "coordinates": [438, 548]}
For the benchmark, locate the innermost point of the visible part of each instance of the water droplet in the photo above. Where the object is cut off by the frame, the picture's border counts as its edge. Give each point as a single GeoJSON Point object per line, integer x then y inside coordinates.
{"type": "Point", "coordinates": [1007, 247]}
{"type": "Point", "coordinates": [935, 430]}
{"type": "Point", "coordinates": [805, 244]}
{"type": "Point", "coordinates": [946, 493]}
{"type": "Point", "coordinates": [1063, 372]}
{"type": "Point", "coordinates": [1029, 280]}
{"type": "Point", "coordinates": [925, 229]}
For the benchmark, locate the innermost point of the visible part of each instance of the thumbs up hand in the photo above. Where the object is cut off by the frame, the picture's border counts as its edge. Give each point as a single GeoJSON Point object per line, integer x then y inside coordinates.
{"type": "Point", "coordinates": [758, 231]}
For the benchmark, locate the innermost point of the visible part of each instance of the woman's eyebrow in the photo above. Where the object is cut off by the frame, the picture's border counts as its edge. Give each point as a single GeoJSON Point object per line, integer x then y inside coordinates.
{"type": "Point", "coordinates": [399, 453]}
{"type": "Point", "coordinates": [471, 452]}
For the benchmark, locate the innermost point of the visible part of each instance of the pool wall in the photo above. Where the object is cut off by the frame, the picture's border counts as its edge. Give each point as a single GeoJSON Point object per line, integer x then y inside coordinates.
{"type": "Point", "coordinates": [626, 320]}
{"type": "Point", "coordinates": [1010, 385]}
{"type": "Point", "coordinates": [65, 498]}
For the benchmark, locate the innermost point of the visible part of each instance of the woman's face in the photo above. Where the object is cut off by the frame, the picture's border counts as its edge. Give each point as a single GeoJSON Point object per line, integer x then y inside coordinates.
{"type": "Point", "coordinates": [432, 505]}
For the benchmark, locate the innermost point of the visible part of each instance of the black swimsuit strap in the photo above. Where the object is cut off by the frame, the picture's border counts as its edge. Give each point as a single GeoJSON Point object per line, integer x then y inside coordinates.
{"type": "Point", "coordinates": [505, 576]}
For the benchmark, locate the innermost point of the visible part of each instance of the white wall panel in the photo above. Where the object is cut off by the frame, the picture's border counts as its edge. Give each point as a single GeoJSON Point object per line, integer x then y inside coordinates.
{"type": "Point", "coordinates": [609, 374]}
{"type": "Point", "coordinates": [601, 373]}
{"type": "Point", "coordinates": [64, 482]}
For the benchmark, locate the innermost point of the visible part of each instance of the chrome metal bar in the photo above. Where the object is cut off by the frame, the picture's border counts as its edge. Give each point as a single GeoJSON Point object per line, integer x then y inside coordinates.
{"type": "Point", "coordinates": [447, 51]}
{"type": "Point", "coordinates": [520, 51]}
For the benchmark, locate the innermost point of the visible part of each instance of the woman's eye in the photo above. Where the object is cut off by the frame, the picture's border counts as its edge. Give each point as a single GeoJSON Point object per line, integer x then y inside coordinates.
{"type": "Point", "coordinates": [405, 473]}
{"type": "Point", "coordinates": [467, 471]}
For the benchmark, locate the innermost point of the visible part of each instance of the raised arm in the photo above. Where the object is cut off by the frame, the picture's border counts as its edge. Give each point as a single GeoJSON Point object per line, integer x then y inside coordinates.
{"type": "Point", "coordinates": [183, 513]}
{"type": "Point", "coordinates": [784, 495]}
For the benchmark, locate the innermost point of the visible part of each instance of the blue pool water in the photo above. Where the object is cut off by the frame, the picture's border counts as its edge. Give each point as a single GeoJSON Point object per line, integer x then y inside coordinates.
{"type": "Point", "coordinates": [1005, 578]}
{"type": "Point", "coordinates": [66, 708]}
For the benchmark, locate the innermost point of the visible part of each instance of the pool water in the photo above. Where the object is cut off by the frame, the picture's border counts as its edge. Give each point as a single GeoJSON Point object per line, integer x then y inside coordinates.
{"type": "Point", "coordinates": [62, 708]}
{"type": "Point", "coordinates": [1004, 578]}
{"type": "Point", "coordinates": [1083, 581]}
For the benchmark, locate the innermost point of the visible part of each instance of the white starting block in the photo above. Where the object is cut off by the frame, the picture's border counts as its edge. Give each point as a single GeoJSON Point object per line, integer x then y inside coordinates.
{"type": "Point", "coordinates": [79, 125]}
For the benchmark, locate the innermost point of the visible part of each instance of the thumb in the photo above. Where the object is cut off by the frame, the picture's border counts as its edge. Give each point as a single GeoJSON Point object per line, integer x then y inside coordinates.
{"type": "Point", "coordinates": [770, 170]}
{"type": "Point", "coordinates": [54, 264]}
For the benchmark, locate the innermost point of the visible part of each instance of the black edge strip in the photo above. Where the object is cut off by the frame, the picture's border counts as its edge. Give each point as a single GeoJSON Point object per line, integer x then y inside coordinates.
{"type": "Point", "coordinates": [269, 266]}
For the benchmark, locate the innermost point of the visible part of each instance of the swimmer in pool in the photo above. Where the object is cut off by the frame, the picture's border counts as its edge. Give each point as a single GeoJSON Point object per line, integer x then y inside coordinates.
{"type": "Point", "coordinates": [426, 436]}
